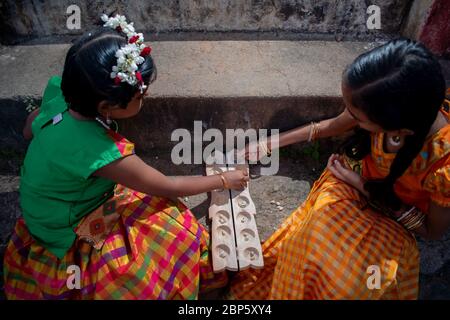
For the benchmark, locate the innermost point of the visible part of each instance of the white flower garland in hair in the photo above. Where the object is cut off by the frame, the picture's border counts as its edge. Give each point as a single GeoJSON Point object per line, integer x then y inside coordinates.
{"type": "Point", "coordinates": [130, 56]}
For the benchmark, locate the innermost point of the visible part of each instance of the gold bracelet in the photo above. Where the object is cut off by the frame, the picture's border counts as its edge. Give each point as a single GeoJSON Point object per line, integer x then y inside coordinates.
{"type": "Point", "coordinates": [311, 129]}
{"type": "Point", "coordinates": [316, 131]}
{"type": "Point", "coordinates": [224, 181]}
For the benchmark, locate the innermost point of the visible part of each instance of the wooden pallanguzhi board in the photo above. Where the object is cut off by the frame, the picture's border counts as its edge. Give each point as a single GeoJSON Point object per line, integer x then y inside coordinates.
{"type": "Point", "coordinates": [234, 236]}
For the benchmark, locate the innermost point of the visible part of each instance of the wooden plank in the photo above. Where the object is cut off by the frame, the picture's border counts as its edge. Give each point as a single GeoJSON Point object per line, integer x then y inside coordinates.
{"type": "Point", "coordinates": [234, 235]}
{"type": "Point", "coordinates": [222, 229]}
{"type": "Point", "coordinates": [249, 251]}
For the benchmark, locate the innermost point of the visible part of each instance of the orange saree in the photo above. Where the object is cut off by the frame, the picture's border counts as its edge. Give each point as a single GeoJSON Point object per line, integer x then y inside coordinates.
{"type": "Point", "coordinates": [333, 246]}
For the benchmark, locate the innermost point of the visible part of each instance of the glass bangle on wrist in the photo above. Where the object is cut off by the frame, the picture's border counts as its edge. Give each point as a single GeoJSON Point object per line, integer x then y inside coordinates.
{"type": "Point", "coordinates": [412, 219]}
{"type": "Point", "coordinates": [224, 181]}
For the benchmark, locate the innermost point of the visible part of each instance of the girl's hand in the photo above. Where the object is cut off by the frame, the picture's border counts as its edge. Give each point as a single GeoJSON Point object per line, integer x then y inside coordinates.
{"type": "Point", "coordinates": [252, 152]}
{"type": "Point", "coordinates": [236, 179]}
{"type": "Point", "coordinates": [135, 174]}
{"type": "Point", "coordinates": [340, 169]}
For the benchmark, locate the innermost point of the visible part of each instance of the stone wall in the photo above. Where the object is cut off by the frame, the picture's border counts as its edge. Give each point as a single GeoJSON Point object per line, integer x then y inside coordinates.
{"type": "Point", "coordinates": [303, 19]}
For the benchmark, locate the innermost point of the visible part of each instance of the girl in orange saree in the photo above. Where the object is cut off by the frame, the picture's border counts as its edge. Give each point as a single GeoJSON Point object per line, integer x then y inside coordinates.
{"type": "Point", "coordinates": [353, 237]}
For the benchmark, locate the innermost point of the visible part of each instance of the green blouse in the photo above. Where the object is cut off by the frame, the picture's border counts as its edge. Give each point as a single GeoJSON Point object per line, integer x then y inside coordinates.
{"type": "Point", "coordinates": [57, 188]}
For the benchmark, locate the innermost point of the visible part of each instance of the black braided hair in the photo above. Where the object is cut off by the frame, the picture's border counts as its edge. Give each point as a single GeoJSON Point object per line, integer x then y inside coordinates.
{"type": "Point", "coordinates": [398, 85]}
{"type": "Point", "coordinates": [86, 77]}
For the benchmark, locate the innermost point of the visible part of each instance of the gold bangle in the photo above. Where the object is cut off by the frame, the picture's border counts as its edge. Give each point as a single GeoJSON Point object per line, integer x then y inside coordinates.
{"type": "Point", "coordinates": [316, 134]}
{"type": "Point", "coordinates": [224, 181]}
{"type": "Point", "coordinates": [314, 131]}
{"type": "Point", "coordinates": [311, 129]}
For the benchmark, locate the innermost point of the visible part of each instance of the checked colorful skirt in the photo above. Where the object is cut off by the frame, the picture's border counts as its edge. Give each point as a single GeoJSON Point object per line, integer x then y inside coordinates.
{"type": "Point", "coordinates": [156, 250]}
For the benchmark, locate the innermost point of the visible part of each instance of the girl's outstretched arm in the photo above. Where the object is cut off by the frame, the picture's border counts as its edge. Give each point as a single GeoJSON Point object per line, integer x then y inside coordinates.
{"type": "Point", "coordinates": [328, 128]}
{"type": "Point", "coordinates": [134, 173]}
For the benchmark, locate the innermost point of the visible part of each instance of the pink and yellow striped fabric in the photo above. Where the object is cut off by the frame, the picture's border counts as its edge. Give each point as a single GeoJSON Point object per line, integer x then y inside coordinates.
{"type": "Point", "coordinates": [157, 250]}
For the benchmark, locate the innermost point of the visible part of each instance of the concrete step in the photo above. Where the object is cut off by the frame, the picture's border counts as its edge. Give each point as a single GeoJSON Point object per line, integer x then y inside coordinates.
{"type": "Point", "coordinates": [225, 84]}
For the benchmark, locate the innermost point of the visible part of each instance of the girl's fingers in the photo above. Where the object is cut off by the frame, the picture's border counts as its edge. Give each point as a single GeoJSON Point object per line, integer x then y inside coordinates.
{"type": "Point", "coordinates": [344, 163]}
{"type": "Point", "coordinates": [343, 171]}
{"type": "Point", "coordinates": [329, 163]}
{"type": "Point", "coordinates": [335, 157]}
{"type": "Point", "coordinates": [331, 160]}
{"type": "Point", "coordinates": [339, 166]}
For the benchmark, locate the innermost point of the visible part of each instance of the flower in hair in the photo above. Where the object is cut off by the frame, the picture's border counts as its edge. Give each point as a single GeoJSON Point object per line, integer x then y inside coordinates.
{"type": "Point", "coordinates": [119, 23]}
{"type": "Point", "coordinates": [146, 51]}
{"type": "Point", "coordinates": [131, 55]}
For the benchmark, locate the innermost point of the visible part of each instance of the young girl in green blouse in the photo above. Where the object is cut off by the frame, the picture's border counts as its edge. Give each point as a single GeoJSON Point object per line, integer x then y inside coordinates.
{"type": "Point", "coordinates": [89, 202]}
